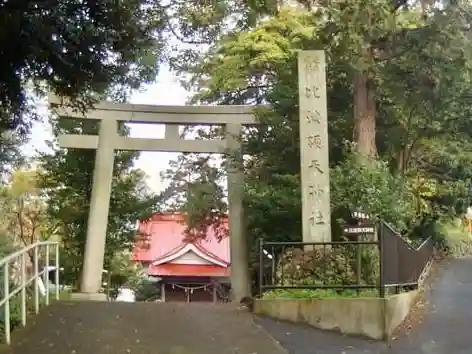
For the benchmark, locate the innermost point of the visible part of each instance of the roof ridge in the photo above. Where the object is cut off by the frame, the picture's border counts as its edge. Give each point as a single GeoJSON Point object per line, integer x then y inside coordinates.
{"type": "Point", "coordinates": [209, 253]}
{"type": "Point", "coordinates": [174, 253]}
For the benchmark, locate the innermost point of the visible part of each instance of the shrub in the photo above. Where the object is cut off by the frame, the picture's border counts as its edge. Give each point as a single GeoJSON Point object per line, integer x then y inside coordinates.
{"type": "Point", "coordinates": [370, 188]}
{"type": "Point", "coordinates": [316, 266]}
{"type": "Point", "coordinates": [146, 290]}
{"type": "Point", "coordinates": [334, 266]}
{"type": "Point", "coordinates": [317, 293]}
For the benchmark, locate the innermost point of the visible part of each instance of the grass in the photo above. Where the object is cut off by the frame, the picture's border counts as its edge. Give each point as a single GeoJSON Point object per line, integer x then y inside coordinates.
{"type": "Point", "coordinates": [457, 239]}
{"type": "Point", "coordinates": [318, 293]}
{"type": "Point", "coordinates": [64, 296]}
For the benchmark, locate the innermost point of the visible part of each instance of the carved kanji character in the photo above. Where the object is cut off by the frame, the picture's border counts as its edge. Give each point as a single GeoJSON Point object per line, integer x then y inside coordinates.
{"type": "Point", "coordinates": [312, 92]}
{"type": "Point", "coordinates": [315, 164]}
{"type": "Point", "coordinates": [315, 141]}
{"type": "Point", "coordinates": [313, 117]}
{"type": "Point", "coordinates": [317, 218]}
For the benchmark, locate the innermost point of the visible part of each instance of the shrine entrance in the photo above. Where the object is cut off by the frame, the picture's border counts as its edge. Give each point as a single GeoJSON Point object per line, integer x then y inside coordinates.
{"type": "Point", "coordinates": [185, 290]}
{"type": "Point", "coordinates": [314, 163]}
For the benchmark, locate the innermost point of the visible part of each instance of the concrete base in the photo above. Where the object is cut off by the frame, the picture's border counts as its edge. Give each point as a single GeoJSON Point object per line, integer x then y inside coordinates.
{"type": "Point", "coordinates": [370, 317]}
{"type": "Point", "coordinates": [89, 296]}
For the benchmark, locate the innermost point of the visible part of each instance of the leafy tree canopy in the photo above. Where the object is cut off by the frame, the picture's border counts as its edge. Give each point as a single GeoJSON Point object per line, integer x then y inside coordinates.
{"type": "Point", "coordinates": [72, 47]}
{"type": "Point", "coordinates": [398, 80]}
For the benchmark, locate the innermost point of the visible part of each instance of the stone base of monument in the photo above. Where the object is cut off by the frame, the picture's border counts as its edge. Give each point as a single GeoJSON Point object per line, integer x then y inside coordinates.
{"type": "Point", "coordinates": [89, 297]}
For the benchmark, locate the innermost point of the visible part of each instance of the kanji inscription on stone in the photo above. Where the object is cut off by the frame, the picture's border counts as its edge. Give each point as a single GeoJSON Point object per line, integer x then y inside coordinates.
{"type": "Point", "coordinates": [315, 141]}
{"type": "Point", "coordinates": [313, 117]}
{"type": "Point", "coordinates": [312, 92]}
{"type": "Point", "coordinates": [310, 64]}
{"type": "Point", "coordinates": [314, 167]}
{"type": "Point", "coordinates": [314, 149]}
{"type": "Point", "coordinates": [317, 218]}
{"type": "Point", "coordinates": [315, 191]}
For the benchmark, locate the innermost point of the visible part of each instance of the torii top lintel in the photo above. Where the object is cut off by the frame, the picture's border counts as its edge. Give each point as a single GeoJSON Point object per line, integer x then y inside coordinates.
{"type": "Point", "coordinates": [183, 115]}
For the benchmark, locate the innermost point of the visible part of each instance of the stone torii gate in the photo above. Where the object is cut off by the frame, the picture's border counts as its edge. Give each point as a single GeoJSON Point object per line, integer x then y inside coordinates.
{"type": "Point", "coordinates": [314, 163]}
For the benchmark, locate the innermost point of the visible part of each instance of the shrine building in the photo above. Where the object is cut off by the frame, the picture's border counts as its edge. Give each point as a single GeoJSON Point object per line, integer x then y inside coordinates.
{"type": "Point", "coordinates": [184, 270]}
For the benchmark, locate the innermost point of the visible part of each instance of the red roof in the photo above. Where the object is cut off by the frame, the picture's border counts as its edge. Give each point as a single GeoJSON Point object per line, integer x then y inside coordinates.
{"type": "Point", "coordinates": [196, 248]}
{"type": "Point", "coordinates": [188, 270]}
{"type": "Point", "coordinates": [167, 242]}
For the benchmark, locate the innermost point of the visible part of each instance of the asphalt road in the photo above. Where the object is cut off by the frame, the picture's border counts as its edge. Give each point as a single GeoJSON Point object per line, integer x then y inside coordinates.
{"type": "Point", "coordinates": [446, 327]}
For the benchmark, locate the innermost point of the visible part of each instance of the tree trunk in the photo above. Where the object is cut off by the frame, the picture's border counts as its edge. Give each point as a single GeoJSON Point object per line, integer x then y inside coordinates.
{"type": "Point", "coordinates": [364, 115]}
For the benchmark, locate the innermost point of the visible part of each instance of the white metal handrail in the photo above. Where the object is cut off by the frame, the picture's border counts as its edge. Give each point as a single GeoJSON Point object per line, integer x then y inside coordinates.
{"type": "Point", "coordinates": [22, 257]}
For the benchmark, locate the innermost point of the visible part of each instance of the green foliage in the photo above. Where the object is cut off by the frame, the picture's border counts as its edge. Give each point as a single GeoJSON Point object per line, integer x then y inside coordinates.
{"type": "Point", "coordinates": [7, 245]}
{"type": "Point", "coordinates": [445, 174]}
{"type": "Point", "coordinates": [412, 56]}
{"type": "Point", "coordinates": [146, 291]}
{"type": "Point", "coordinates": [123, 271]}
{"type": "Point", "coordinates": [454, 237]}
{"type": "Point", "coordinates": [334, 266]}
{"type": "Point", "coordinates": [15, 310]}
{"type": "Point", "coordinates": [74, 48]}
{"type": "Point", "coordinates": [372, 189]}
{"type": "Point", "coordinates": [197, 195]}
{"type": "Point", "coordinates": [417, 66]}
{"type": "Point", "coordinates": [317, 267]}
{"type": "Point", "coordinates": [24, 216]}
{"type": "Point", "coordinates": [317, 294]}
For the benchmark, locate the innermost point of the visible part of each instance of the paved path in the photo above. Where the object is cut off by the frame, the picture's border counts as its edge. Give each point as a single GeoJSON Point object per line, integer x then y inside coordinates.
{"type": "Point", "coordinates": [447, 328]}
{"type": "Point", "coordinates": [172, 328]}
{"type": "Point", "coordinates": [142, 328]}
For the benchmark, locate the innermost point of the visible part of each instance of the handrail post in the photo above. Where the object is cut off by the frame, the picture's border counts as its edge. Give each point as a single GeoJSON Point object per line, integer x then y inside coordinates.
{"type": "Point", "coordinates": [36, 280]}
{"type": "Point", "coordinates": [261, 267]}
{"type": "Point", "coordinates": [46, 270]}
{"type": "Point", "coordinates": [23, 289]}
{"type": "Point", "coordinates": [17, 277]}
{"type": "Point", "coordinates": [6, 285]}
{"type": "Point", "coordinates": [57, 271]}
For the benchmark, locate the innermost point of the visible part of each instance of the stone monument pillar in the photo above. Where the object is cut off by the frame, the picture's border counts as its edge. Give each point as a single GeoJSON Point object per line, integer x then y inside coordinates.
{"type": "Point", "coordinates": [314, 148]}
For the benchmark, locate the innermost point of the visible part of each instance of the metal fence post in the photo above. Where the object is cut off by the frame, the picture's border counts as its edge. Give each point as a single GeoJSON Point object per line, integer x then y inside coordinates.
{"type": "Point", "coordinates": [261, 266]}
{"type": "Point", "coordinates": [36, 280]}
{"type": "Point", "coordinates": [17, 279]}
{"type": "Point", "coordinates": [46, 270]}
{"type": "Point", "coordinates": [57, 272]}
{"type": "Point", "coordinates": [6, 285]}
{"type": "Point", "coordinates": [381, 260]}
{"type": "Point", "coordinates": [358, 263]}
{"type": "Point", "coordinates": [23, 289]}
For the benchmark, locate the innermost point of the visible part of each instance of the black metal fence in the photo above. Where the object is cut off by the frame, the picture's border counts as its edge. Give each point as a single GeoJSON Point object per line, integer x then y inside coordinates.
{"type": "Point", "coordinates": [373, 258]}
{"type": "Point", "coordinates": [402, 262]}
